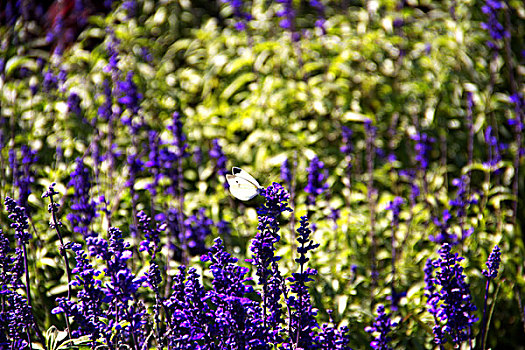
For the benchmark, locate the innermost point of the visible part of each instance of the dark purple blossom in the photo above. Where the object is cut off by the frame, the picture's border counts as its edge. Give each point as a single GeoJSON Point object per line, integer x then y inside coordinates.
{"type": "Point", "coordinates": [73, 104]}
{"type": "Point", "coordinates": [443, 226]}
{"type": "Point", "coordinates": [423, 147]}
{"type": "Point", "coordinates": [19, 220]}
{"type": "Point", "coordinates": [198, 227]}
{"type": "Point", "coordinates": [287, 15]}
{"type": "Point", "coordinates": [129, 97]}
{"type": "Point", "coordinates": [104, 111]}
{"type": "Point", "coordinates": [518, 101]}
{"type": "Point", "coordinates": [347, 148]}
{"type": "Point", "coordinates": [263, 248]}
{"type": "Point", "coordinates": [153, 162]}
{"type": "Point", "coordinates": [496, 30]}
{"type": "Point", "coordinates": [319, 7]}
{"type": "Point", "coordinates": [151, 243]}
{"type": "Point", "coordinates": [84, 209]}
{"type": "Point", "coordinates": [494, 147]}
{"type": "Point", "coordinates": [112, 50]}
{"type": "Point", "coordinates": [493, 263]}
{"type": "Point", "coordinates": [179, 138]}
{"type": "Point", "coordinates": [24, 176]}
{"type": "Point", "coordinates": [238, 7]}
{"type": "Point", "coordinates": [286, 173]}
{"type": "Point", "coordinates": [87, 310]}
{"type": "Point", "coordinates": [395, 207]}
{"type": "Point", "coordinates": [382, 327]}
{"type": "Point", "coordinates": [317, 176]}
{"type": "Point", "coordinates": [217, 154]}
{"type": "Point", "coordinates": [450, 302]}
{"type": "Point", "coordinates": [303, 314]}
{"type": "Point", "coordinates": [237, 318]}
{"type": "Point", "coordinates": [50, 81]}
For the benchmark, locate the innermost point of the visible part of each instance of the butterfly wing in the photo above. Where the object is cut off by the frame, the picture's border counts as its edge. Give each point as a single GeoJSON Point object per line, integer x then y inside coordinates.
{"type": "Point", "coordinates": [244, 175]}
{"type": "Point", "coordinates": [241, 188]}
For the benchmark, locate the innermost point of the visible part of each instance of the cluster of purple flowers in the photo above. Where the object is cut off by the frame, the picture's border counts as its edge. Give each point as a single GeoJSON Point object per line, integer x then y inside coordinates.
{"type": "Point", "coordinates": [317, 176]}
{"type": "Point", "coordinates": [382, 327]}
{"type": "Point", "coordinates": [83, 208]}
{"type": "Point", "coordinates": [218, 155]}
{"type": "Point", "coordinates": [23, 172]}
{"type": "Point", "coordinates": [239, 12]}
{"type": "Point", "coordinates": [449, 298]}
{"type": "Point", "coordinates": [496, 30]}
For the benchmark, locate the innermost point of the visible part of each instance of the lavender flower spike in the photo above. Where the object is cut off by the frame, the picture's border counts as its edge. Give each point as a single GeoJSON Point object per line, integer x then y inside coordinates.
{"type": "Point", "coordinates": [451, 304]}
{"type": "Point", "coordinates": [492, 272]}
{"type": "Point", "coordinates": [382, 325]}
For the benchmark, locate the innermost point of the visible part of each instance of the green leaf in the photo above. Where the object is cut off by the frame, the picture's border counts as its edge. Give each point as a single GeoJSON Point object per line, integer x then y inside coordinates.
{"type": "Point", "coordinates": [237, 84]}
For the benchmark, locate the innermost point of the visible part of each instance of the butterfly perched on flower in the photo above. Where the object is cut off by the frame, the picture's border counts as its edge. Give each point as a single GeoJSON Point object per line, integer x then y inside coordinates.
{"type": "Point", "coordinates": [243, 186]}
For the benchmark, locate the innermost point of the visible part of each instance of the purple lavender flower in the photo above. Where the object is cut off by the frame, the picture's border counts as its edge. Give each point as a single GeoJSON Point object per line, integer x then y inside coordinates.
{"type": "Point", "coordinates": [87, 311]}
{"type": "Point", "coordinates": [19, 320]}
{"type": "Point", "coordinates": [153, 162]}
{"type": "Point", "coordinates": [25, 175]}
{"type": "Point", "coordinates": [423, 147]}
{"type": "Point", "coordinates": [347, 148]}
{"type": "Point", "coordinates": [443, 226]}
{"type": "Point", "coordinates": [104, 111]}
{"type": "Point", "coordinates": [20, 221]}
{"type": "Point", "coordinates": [287, 15]}
{"type": "Point", "coordinates": [112, 50]}
{"type": "Point", "coordinates": [238, 11]}
{"type": "Point", "coordinates": [130, 6]}
{"type": "Point", "coordinates": [286, 173]}
{"type": "Point", "coordinates": [395, 206]}
{"type": "Point", "coordinates": [330, 338]}
{"type": "Point", "coordinates": [217, 154]}
{"type": "Point", "coordinates": [493, 26]}
{"type": "Point", "coordinates": [319, 7]}
{"type": "Point", "coordinates": [50, 81]}
{"type": "Point", "coordinates": [152, 240]}
{"type": "Point", "coordinates": [303, 315]}
{"type": "Point", "coordinates": [317, 177]}
{"type": "Point", "coordinates": [494, 155]}
{"type": "Point", "coordinates": [263, 245]}
{"type": "Point", "coordinates": [493, 263]}
{"type": "Point", "coordinates": [129, 97]}
{"type": "Point", "coordinates": [518, 101]}
{"type": "Point", "coordinates": [198, 227]}
{"type": "Point", "coordinates": [179, 138]}
{"type": "Point", "coordinates": [223, 228]}
{"type": "Point", "coordinates": [190, 317]}
{"type": "Point", "coordinates": [73, 104]}
{"type": "Point", "coordinates": [83, 207]}
{"type": "Point", "coordinates": [197, 155]}
{"type": "Point", "coordinates": [383, 326]}
{"type": "Point", "coordinates": [492, 272]}
{"type": "Point", "coordinates": [237, 317]}
{"type": "Point", "coordinates": [460, 204]}
{"type": "Point", "coordinates": [135, 165]}
{"type": "Point", "coordinates": [451, 302]}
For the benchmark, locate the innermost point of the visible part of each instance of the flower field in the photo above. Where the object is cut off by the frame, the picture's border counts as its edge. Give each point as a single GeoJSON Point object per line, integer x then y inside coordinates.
{"type": "Point", "coordinates": [287, 174]}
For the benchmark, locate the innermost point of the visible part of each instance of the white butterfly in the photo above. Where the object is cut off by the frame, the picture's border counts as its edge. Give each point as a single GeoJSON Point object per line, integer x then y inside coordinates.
{"type": "Point", "coordinates": [243, 186]}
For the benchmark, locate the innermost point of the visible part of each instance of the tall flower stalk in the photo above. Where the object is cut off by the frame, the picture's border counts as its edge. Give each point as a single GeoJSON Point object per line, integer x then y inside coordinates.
{"type": "Point", "coordinates": [263, 245]}
{"type": "Point", "coordinates": [492, 263]}
{"type": "Point", "coordinates": [17, 215]}
{"type": "Point", "coordinates": [303, 316]}
{"type": "Point", "coordinates": [449, 299]}
{"type": "Point", "coordinates": [53, 209]}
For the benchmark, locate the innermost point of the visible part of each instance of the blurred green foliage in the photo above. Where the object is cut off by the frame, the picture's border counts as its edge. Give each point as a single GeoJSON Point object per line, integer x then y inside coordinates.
{"type": "Point", "coordinates": [267, 98]}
